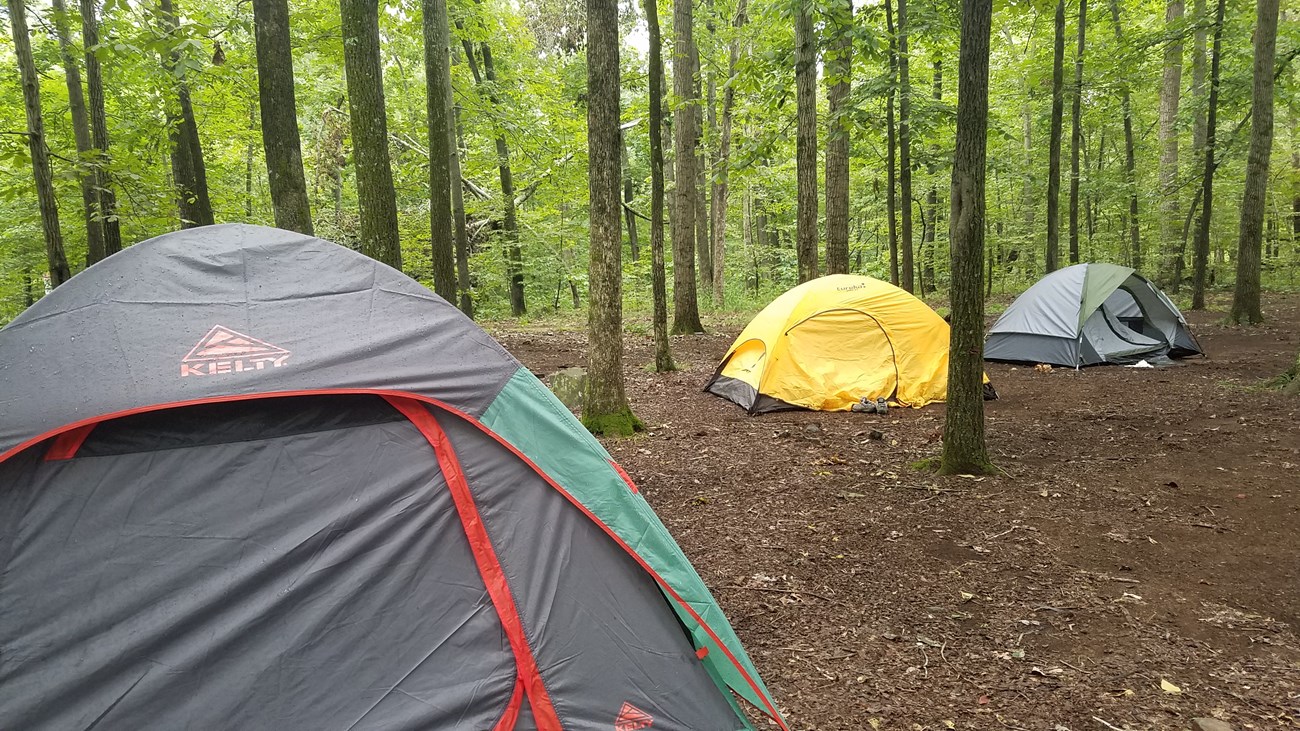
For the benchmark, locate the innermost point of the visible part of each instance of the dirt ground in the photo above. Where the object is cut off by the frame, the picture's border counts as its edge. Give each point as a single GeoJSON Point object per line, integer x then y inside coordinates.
{"type": "Point", "coordinates": [1136, 566]}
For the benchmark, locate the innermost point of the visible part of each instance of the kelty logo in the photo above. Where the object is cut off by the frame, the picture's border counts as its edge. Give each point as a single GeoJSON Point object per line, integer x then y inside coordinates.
{"type": "Point", "coordinates": [223, 350]}
{"type": "Point", "coordinates": [631, 718]}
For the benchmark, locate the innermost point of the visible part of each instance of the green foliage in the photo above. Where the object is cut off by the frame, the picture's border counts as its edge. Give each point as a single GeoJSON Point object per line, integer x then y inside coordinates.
{"type": "Point", "coordinates": [540, 112]}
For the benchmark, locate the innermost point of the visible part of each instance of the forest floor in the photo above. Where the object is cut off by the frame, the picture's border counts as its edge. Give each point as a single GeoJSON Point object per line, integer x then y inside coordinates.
{"type": "Point", "coordinates": [1137, 565]}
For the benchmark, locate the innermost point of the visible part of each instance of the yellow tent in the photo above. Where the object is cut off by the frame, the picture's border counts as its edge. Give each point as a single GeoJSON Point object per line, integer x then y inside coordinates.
{"type": "Point", "coordinates": [832, 341]}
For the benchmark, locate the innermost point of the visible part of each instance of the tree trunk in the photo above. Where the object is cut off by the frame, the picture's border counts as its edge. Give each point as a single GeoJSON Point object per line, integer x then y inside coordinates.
{"type": "Point", "coordinates": [686, 308]}
{"type": "Point", "coordinates": [1130, 165]}
{"type": "Point", "coordinates": [1076, 133]}
{"type": "Point", "coordinates": [1170, 91]}
{"type": "Point", "coordinates": [1245, 298]}
{"type": "Point", "coordinates": [458, 208]}
{"type": "Point", "coordinates": [510, 223]}
{"type": "Point", "coordinates": [41, 172]}
{"type": "Point", "coordinates": [907, 266]}
{"type": "Point", "coordinates": [188, 169]}
{"type": "Point", "coordinates": [81, 133]}
{"type": "Point", "coordinates": [964, 450]}
{"type": "Point", "coordinates": [437, 74]}
{"type": "Point", "coordinates": [106, 209]}
{"type": "Point", "coordinates": [722, 169]}
{"type": "Point", "coordinates": [1054, 144]}
{"type": "Point", "coordinates": [1198, 121]}
{"type": "Point", "coordinates": [365, 81]}
{"type": "Point", "coordinates": [839, 73]}
{"type": "Point", "coordinates": [628, 197]}
{"type": "Point", "coordinates": [658, 283]}
{"type": "Point", "coordinates": [805, 79]}
{"type": "Point", "coordinates": [280, 116]}
{"type": "Point", "coordinates": [927, 279]}
{"type": "Point", "coordinates": [891, 165]}
{"type": "Point", "coordinates": [703, 244]}
{"type": "Point", "coordinates": [604, 406]}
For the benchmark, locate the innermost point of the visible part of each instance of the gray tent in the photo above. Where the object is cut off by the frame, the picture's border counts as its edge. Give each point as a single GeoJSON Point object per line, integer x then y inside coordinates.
{"type": "Point", "coordinates": [250, 479]}
{"type": "Point", "coordinates": [1089, 314]}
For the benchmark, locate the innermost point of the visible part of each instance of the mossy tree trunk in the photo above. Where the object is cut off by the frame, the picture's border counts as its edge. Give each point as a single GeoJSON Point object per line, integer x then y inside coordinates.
{"type": "Point", "coordinates": [604, 410]}
{"type": "Point", "coordinates": [964, 451]}
{"type": "Point", "coordinates": [437, 74]}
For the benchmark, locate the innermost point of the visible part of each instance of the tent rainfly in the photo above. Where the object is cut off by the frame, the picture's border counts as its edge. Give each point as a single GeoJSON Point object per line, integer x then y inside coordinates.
{"type": "Point", "coordinates": [252, 479]}
{"type": "Point", "coordinates": [1088, 314]}
{"type": "Point", "coordinates": [832, 341]}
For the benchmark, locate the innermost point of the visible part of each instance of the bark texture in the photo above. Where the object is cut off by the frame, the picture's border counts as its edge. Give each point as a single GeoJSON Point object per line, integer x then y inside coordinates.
{"type": "Point", "coordinates": [891, 164]}
{"type": "Point", "coordinates": [365, 82]}
{"type": "Point", "coordinates": [964, 450]}
{"type": "Point", "coordinates": [81, 133]}
{"type": "Point", "coordinates": [658, 283]}
{"type": "Point", "coordinates": [722, 169]}
{"type": "Point", "coordinates": [1076, 132]}
{"type": "Point", "coordinates": [1245, 297]}
{"type": "Point", "coordinates": [437, 74]}
{"type": "Point", "coordinates": [1130, 165]}
{"type": "Point", "coordinates": [1054, 143]}
{"type": "Point", "coordinates": [907, 269]}
{"type": "Point", "coordinates": [107, 200]}
{"type": "Point", "coordinates": [686, 308]}
{"type": "Point", "coordinates": [280, 139]}
{"type": "Point", "coordinates": [41, 173]}
{"type": "Point", "coordinates": [805, 80]}
{"type": "Point", "coordinates": [1170, 91]}
{"type": "Point", "coordinates": [189, 173]}
{"type": "Point", "coordinates": [604, 409]}
{"type": "Point", "coordinates": [839, 72]}
{"type": "Point", "coordinates": [1201, 248]}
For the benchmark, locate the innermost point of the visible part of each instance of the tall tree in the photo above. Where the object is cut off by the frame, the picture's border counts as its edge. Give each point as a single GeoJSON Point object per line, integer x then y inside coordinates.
{"type": "Point", "coordinates": [459, 227]}
{"type": "Point", "coordinates": [629, 195]}
{"type": "Point", "coordinates": [604, 406]}
{"type": "Point", "coordinates": [81, 133]}
{"type": "Point", "coordinates": [437, 75]}
{"type": "Point", "coordinates": [926, 280]}
{"type": "Point", "coordinates": [1076, 132]}
{"type": "Point", "coordinates": [907, 267]}
{"type": "Point", "coordinates": [280, 139]}
{"type": "Point", "coordinates": [805, 79]}
{"type": "Point", "coordinates": [839, 73]}
{"type": "Point", "coordinates": [686, 307]}
{"type": "Point", "coordinates": [1201, 249]}
{"type": "Point", "coordinates": [189, 171]}
{"type": "Point", "coordinates": [891, 194]}
{"type": "Point", "coordinates": [703, 244]}
{"type": "Point", "coordinates": [509, 220]}
{"type": "Point", "coordinates": [1199, 91]}
{"type": "Point", "coordinates": [964, 450]}
{"type": "Point", "coordinates": [1054, 143]}
{"type": "Point", "coordinates": [722, 169]}
{"type": "Point", "coordinates": [1170, 92]}
{"type": "Point", "coordinates": [365, 81]}
{"type": "Point", "coordinates": [1130, 163]}
{"type": "Point", "coordinates": [1245, 297]}
{"type": "Point", "coordinates": [107, 200]}
{"type": "Point", "coordinates": [658, 283]}
{"type": "Point", "coordinates": [40, 155]}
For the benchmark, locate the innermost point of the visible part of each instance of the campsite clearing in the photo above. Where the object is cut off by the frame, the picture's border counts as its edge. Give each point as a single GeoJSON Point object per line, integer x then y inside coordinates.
{"type": "Point", "coordinates": [1144, 540]}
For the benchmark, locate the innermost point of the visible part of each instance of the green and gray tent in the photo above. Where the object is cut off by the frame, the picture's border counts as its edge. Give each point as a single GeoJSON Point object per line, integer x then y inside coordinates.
{"type": "Point", "coordinates": [251, 479]}
{"type": "Point", "coordinates": [1089, 314]}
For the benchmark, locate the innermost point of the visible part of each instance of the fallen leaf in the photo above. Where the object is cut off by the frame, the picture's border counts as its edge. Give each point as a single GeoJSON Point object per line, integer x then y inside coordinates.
{"type": "Point", "coordinates": [983, 700]}
{"type": "Point", "coordinates": [949, 724]}
{"type": "Point", "coordinates": [967, 596]}
{"type": "Point", "coordinates": [1169, 687]}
